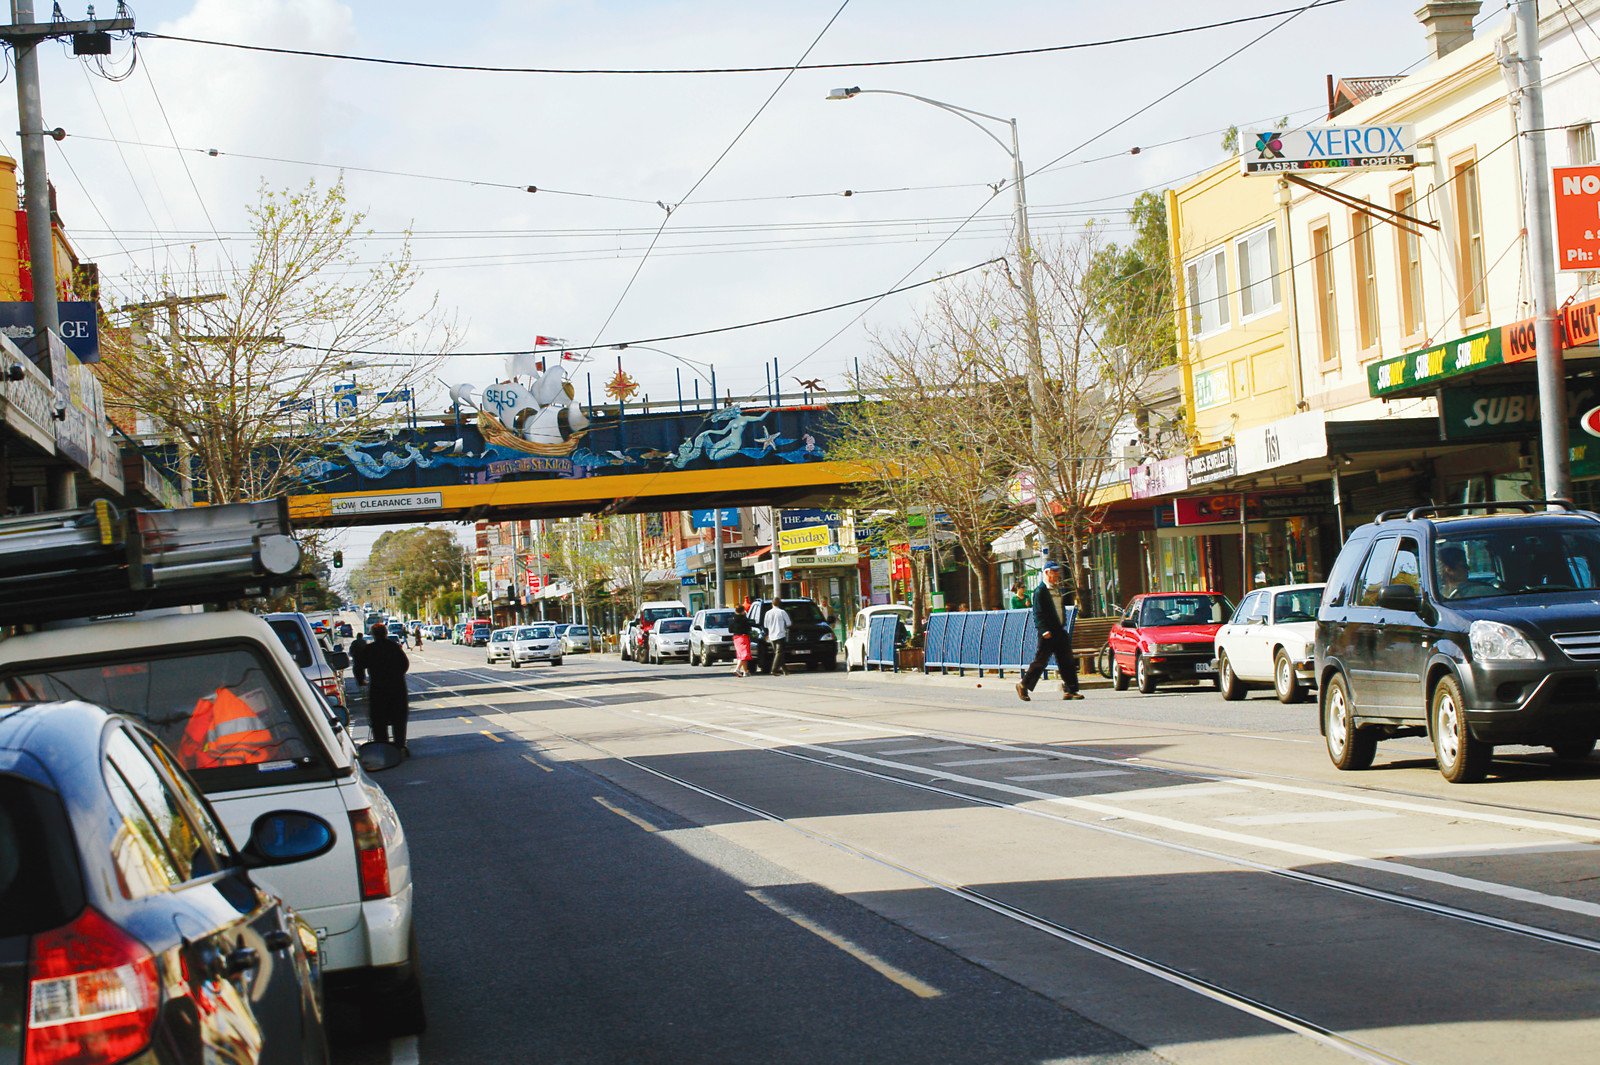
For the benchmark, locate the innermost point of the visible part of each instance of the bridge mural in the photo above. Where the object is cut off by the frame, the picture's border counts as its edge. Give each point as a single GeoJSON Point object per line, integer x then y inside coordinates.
{"type": "Point", "coordinates": [527, 444]}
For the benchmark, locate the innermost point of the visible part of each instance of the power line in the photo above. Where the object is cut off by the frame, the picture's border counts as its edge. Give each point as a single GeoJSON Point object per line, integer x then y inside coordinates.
{"type": "Point", "coordinates": [487, 69]}
{"type": "Point", "coordinates": [192, 184]}
{"type": "Point", "coordinates": [676, 336]}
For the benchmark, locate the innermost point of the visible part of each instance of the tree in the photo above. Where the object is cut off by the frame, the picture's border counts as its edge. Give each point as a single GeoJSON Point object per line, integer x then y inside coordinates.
{"type": "Point", "coordinates": [240, 381]}
{"type": "Point", "coordinates": [423, 566]}
{"type": "Point", "coordinates": [1129, 289]}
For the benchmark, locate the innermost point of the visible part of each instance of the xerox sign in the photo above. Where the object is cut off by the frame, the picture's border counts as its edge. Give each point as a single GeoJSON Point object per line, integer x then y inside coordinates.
{"type": "Point", "coordinates": [372, 504]}
{"type": "Point", "coordinates": [1328, 148]}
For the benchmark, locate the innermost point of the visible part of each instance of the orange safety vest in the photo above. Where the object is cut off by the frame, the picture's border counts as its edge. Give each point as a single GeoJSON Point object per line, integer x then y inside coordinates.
{"type": "Point", "coordinates": [223, 731]}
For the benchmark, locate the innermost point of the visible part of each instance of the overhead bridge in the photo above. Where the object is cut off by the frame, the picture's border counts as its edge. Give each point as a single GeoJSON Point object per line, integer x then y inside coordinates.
{"type": "Point", "coordinates": [622, 460]}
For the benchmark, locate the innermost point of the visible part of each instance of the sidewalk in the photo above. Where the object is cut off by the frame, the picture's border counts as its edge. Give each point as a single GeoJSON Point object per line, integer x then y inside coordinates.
{"type": "Point", "coordinates": [1086, 681]}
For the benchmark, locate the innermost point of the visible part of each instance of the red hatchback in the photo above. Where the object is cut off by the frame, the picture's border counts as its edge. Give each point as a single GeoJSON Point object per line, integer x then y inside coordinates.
{"type": "Point", "coordinates": [1167, 636]}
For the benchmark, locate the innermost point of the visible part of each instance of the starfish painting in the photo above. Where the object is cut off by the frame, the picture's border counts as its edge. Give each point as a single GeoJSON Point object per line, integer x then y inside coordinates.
{"type": "Point", "coordinates": [768, 441]}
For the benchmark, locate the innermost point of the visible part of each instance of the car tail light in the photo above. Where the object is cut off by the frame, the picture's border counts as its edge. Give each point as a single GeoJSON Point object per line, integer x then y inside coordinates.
{"type": "Point", "coordinates": [93, 994]}
{"type": "Point", "coordinates": [329, 686]}
{"type": "Point", "coordinates": [372, 860]}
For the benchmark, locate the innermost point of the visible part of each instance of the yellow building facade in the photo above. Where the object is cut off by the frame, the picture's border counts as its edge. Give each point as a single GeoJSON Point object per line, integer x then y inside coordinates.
{"type": "Point", "coordinates": [1234, 303]}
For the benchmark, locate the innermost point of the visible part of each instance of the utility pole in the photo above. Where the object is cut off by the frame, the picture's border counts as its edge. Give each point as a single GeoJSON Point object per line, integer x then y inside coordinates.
{"type": "Point", "coordinates": [716, 532]}
{"type": "Point", "coordinates": [1541, 258]}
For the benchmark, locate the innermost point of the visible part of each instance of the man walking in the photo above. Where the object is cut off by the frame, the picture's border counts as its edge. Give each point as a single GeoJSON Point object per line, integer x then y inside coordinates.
{"type": "Point", "coordinates": [1053, 614]}
{"type": "Point", "coordinates": [777, 625]}
{"type": "Point", "coordinates": [387, 700]}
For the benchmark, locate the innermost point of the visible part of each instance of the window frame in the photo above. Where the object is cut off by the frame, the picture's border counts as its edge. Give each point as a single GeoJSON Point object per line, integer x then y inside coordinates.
{"type": "Point", "coordinates": [1320, 232]}
{"type": "Point", "coordinates": [1581, 144]}
{"type": "Point", "coordinates": [1274, 280]}
{"type": "Point", "coordinates": [1413, 305]}
{"type": "Point", "coordinates": [1472, 299]}
{"type": "Point", "coordinates": [1218, 258]}
{"type": "Point", "coordinates": [1384, 543]}
{"type": "Point", "coordinates": [1364, 264]}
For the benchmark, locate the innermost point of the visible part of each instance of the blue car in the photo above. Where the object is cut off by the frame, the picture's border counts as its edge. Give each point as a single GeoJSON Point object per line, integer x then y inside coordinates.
{"type": "Point", "coordinates": [130, 927]}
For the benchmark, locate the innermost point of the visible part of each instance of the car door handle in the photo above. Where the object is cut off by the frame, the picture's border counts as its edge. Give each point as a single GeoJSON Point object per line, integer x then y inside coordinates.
{"type": "Point", "coordinates": [241, 960]}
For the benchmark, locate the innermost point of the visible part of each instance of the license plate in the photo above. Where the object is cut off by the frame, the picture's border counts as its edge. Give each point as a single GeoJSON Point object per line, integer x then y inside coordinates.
{"type": "Point", "coordinates": [1204, 667]}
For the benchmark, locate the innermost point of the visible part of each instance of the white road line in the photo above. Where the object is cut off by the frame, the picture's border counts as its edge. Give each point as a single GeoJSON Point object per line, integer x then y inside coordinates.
{"type": "Point", "coordinates": [1274, 739]}
{"type": "Point", "coordinates": [1314, 817]}
{"type": "Point", "coordinates": [888, 970]}
{"type": "Point", "coordinates": [998, 761]}
{"type": "Point", "coordinates": [928, 750]}
{"type": "Point", "coordinates": [1074, 774]}
{"type": "Point", "coordinates": [405, 1051]}
{"type": "Point", "coordinates": [1482, 850]}
{"type": "Point", "coordinates": [1510, 821]}
{"type": "Point", "coordinates": [1317, 854]}
{"type": "Point", "coordinates": [1178, 791]}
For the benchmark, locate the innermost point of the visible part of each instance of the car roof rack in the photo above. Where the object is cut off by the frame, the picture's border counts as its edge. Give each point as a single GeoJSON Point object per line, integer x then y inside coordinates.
{"type": "Point", "coordinates": [99, 561]}
{"type": "Point", "coordinates": [1523, 506]}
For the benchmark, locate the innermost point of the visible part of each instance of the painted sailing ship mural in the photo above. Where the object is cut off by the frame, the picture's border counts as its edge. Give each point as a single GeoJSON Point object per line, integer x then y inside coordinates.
{"type": "Point", "coordinates": [535, 410]}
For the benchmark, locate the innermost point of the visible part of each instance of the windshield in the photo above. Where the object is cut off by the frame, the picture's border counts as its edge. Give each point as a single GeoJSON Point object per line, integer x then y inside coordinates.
{"type": "Point", "coordinates": [1298, 605]}
{"type": "Point", "coordinates": [674, 625]}
{"type": "Point", "coordinates": [1161, 610]}
{"type": "Point", "coordinates": [502, 636]}
{"type": "Point", "coordinates": [717, 619]}
{"type": "Point", "coordinates": [802, 611]}
{"type": "Point", "coordinates": [1516, 561]}
{"type": "Point", "coordinates": [576, 630]}
{"type": "Point", "coordinates": [294, 641]}
{"type": "Point", "coordinates": [219, 710]}
{"type": "Point", "coordinates": [537, 632]}
{"type": "Point", "coordinates": [656, 613]}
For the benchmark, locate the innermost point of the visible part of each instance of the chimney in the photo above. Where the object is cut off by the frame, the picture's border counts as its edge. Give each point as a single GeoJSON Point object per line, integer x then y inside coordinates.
{"type": "Point", "coordinates": [1449, 24]}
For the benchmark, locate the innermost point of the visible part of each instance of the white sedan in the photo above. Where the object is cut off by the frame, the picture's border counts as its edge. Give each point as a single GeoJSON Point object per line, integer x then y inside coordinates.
{"type": "Point", "coordinates": [1269, 642]}
{"type": "Point", "coordinates": [499, 646]}
{"type": "Point", "coordinates": [535, 643]}
{"type": "Point", "coordinates": [668, 639]}
{"type": "Point", "coordinates": [855, 645]}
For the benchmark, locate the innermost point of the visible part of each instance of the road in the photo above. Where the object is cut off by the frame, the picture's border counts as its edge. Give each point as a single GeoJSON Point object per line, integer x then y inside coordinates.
{"type": "Point", "coordinates": [628, 863]}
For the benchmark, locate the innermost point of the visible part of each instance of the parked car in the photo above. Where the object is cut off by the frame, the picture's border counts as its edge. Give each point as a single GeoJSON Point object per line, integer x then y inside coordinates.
{"type": "Point", "coordinates": [669, 638]}
{"type": "Point", "coordinates": [638, 629]}
{"type": "Point", "coordinates": [811, 639]}
{"type": "Point", "coordinates": [535, 643]}
{"type": "Point", "coordinates": [438, 632]}
{"type": "Point", "coordinates": [1471, 627]}
{"type": "Point", "coordinates": [1167, 637]}
{"type": "Point", "coordinates": [222, 693]}
{"type": "Point", "coordinates": [498, 648]}
{"type": "Point", "coordinates": [855, 644]}
{"type": "Point", "coordinates": [321, 664]}
{"type": "Point", "coordinates": [1270, 640]}
{"type": "Point", "coordinates": [578, 639]}
{"type": "Point", "coordinates": [709, 639]}
{"type": "Point", "coordinates": [132, 929]}
{"type": "Point", "coordinates": [477, 633]}
{"type": "Point", "coordinates": [459, 633]}
{"type": "Point", "coordinates": [344, 630]}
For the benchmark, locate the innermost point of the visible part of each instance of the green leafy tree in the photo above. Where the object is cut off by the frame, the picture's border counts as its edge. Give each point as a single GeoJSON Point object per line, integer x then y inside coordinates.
{"type": "Point", "coordinates": [1129, 287]}
{"type": "Point", "coordinates": [422, 565]}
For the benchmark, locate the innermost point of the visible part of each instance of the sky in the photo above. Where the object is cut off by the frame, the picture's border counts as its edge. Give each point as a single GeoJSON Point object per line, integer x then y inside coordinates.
{"type": "Point", "coordinates": [767, 231]}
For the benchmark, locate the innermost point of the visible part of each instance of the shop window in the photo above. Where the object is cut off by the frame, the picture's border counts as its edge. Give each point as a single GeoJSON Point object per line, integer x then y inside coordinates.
{"type": "Point", "coordinates": [1366, 280]}
{"type": "Point", "coordinates": [1327, 309]}
{"type": "Point", "coordinates": [1470, 270]}
{"type": "Point", "coordinates": [1207, 278]}
{"type": "Point", "coordinates": [1259, 287]}
{"type": "Point", "coordinates": [1410, 263]}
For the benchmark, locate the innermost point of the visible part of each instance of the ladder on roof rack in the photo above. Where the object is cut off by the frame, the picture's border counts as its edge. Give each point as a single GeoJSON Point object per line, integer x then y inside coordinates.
{"type": "Point", "coordinates": [99, 560]}
{"type": "Point", "coordinates": [1524, 506]}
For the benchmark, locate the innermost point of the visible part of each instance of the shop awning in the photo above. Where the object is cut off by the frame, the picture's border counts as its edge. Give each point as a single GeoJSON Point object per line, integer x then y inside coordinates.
{"type": "Point", "coordinates": [1014, 541]}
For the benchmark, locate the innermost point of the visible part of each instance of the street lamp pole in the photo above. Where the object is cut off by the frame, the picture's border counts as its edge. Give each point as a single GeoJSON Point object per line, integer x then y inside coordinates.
{"type": "Point", "coordinates": [1030, 300]}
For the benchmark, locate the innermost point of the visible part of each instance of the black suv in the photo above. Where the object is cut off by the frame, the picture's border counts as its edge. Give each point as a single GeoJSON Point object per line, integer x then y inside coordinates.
{"type": "Point", "coordinates": [1466, 624]}
{"type": "Point", "coordinates": [811, 638]}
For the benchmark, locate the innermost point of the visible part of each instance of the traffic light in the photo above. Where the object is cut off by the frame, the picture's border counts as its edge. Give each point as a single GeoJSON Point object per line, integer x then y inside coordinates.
{"type": "Point", "coordinates": [392, 592]}
{"type": "Point", "coordinates": [338, 560]}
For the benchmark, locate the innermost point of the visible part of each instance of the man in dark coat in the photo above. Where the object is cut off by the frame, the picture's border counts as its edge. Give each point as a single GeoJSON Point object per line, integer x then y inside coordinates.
{"type": "Point", "coordinates": [358, 659]}
{"type": "Point", "coordinates": [387, 703]}
{"type": "Point", "coordinates": [1053, 612]}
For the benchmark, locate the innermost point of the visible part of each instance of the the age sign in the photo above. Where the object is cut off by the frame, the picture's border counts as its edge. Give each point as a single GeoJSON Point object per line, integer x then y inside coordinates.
{"type": "Point", "coordinates": [1577, 210]}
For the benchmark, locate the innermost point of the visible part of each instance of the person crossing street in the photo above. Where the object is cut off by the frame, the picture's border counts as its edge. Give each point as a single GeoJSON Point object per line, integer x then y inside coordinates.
{"type": "Point", "coordinates": [1053, 614]}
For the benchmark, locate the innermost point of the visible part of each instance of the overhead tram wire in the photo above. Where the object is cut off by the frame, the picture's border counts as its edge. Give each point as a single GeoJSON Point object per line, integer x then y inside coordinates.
{"type": "Point", "coordinates": [737, 137]}
{"type": "Point", "coordinates": [488, 69]}
{"type": "Point", "coordinates": [156, 95]}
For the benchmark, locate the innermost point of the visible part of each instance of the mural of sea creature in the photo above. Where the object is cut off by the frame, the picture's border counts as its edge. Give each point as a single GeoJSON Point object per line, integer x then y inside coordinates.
{"type": "Point", "coordinates": [768, 441]}
{"type": "Point", "coordinates": [723, 441]}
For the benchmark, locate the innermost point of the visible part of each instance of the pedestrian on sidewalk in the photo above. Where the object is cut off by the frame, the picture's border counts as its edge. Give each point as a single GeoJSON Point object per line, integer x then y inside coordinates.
{"type": "Point", "coordinates": [1019, 597]}
{"type": "Point", "coordinates": [387, 702]}
{"type": "Point", "coordinates": [1054, 611]}
{"type": "Point", "coordinates": [739, 629]}
{"type": "Point", "coordinates": [776, 624]}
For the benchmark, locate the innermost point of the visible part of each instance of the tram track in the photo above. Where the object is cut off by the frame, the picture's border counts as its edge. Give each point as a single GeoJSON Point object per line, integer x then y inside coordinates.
{"type": "Point", "coordinates": [824, 756]}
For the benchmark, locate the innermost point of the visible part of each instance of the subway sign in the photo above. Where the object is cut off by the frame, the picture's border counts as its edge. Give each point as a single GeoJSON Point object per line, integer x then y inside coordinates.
{"type": "Point", "coordinates": [1504, 346]}
{"type": "Point", "coordinates": [1336, 148]}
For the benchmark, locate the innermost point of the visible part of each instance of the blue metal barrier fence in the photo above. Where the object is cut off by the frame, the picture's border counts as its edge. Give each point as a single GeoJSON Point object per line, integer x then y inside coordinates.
{"type": "Point", "coordinates": [992, 640]}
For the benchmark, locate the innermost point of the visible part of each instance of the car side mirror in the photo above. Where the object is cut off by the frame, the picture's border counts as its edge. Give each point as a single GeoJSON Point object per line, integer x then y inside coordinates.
{"type": "Point", "coordinates": [377, 756]}
{"type": "Point", "coordinates": [338, 661]}
{"type": "Point", "coordinates": [1399, 597]}
{"type": "Point", "coordinates": [286, 836]}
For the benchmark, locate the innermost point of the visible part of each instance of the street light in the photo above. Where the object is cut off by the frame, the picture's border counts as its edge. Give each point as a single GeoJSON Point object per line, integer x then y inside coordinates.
{"type": "Point", "coordinates": [1024, 250]}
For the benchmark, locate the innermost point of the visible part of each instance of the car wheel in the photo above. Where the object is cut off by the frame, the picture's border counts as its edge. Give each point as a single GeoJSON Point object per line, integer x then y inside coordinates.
{"type": "Point", "coordinates": [1119, 679]}
{"type": "Point", "coordinates": [1228, 682]}
{"type": "Point", "coordinates": [1462, 758]}
{"type": "Point", "coordinates": [399, 1009]}
{"type": "Point", "coordinates": [830, 664]}
{"type": "Point", "coordinates": [1141, 673]}
{"type": "Point", "coordinates": [1289, 688]}
{"type": "Point", "coordinates": [1573, 748]}
{"type": "Point", "coordinates": [515, 664]}
{"type": "Point", "coordinates": [556, 661]}
{"type": "Point", "coordinates": [1349, 747]}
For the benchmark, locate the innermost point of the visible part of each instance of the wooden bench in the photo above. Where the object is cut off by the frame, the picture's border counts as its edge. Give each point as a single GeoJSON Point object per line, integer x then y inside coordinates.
{"type": "Point", "coordinates": [1089, 635]}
